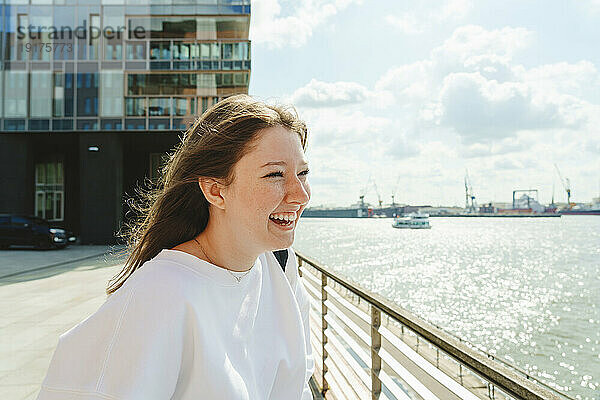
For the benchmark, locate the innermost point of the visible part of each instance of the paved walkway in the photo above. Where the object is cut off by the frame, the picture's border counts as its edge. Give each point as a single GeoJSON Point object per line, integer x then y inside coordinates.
{"type": "Point", "coordinates": [18, 260]}
{"type": "Point", "coordinates": [37, 306]}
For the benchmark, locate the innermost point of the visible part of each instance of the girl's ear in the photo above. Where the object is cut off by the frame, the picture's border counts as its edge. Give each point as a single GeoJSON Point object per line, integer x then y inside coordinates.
{"type": "Point", "coordinates": [213, 191]}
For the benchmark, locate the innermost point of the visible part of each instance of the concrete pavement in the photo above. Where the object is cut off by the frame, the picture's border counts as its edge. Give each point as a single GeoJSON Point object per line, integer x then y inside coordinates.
{"type": "Point", "coordinates": [42, 295]}
{"type": "Point", "coordinates": [15, 261]}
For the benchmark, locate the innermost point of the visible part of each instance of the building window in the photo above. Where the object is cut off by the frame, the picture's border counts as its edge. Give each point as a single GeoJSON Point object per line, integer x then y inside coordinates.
{"type": "Point", "coordinates": [181, 51]}
{"type": "Point", "coordinates": [111, 92]}
{"type": "Point", "coordinates": [58, 107]}
{"type": "Point", "coordinates": [21, 53]}
{"type": "Point", "coordinates": [135, 106]}
{"type": "Point", "coordinates": [14, 124]}
{"type": "Point", "coordinates": [112, 124]}
{"type": "Point", "coordinates": [62, 124]}
{"type": "Point", "coordinates": [135, 124]}
{"type": "Point", "coordinates": [49, 190]}
{"type": "Point", "coordinates": [158, 123]}
{"type": "Point", "coordinates": [227, 51]}
{"type": "Point", "coordinates": [182, 123]}
{"type": "Point", "coordinates": [15, 93]}
{"type": "Point", "coordinates": [136, 50]}
{"type": "Point", "coordinates": [159, 106]}
{"type": "Point", "coordinates": [160, 50]}
{"type": "Point", "coordinates": [113, 50]}
{"type": "Point", "coordinates": [180, 106]}
{"type": "Point", "coordinates": [87, 124]}
{"type": "Point", "coordinates": [39, 124]}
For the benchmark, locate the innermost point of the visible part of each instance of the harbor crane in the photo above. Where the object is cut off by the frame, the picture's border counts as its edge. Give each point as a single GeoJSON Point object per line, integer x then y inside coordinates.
{"type": "Point", "coordinates": [566, 185]}
{"type": "Point", "coordinates": [395, 189]}
{"type": "Point", "coordinates": [378, 196]}
{"type": "Point", "coordinates": [370, 182]}
{"type": "Point", "coordinates": [469, 196]}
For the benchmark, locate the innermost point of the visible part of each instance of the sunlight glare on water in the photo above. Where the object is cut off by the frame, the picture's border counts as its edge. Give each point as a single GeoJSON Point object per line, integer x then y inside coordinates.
{"type": "Point", "coordinates": [526, 290]}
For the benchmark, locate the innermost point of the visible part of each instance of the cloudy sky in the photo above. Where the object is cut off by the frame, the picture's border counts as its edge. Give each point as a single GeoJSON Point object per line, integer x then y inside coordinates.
{"type": "Point", "coordinates": [409, 95]}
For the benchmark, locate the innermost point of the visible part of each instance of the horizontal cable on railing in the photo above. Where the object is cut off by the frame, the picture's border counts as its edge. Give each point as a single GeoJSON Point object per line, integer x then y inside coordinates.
{"type": "Point", "coordinates": [315, 293]}
{"type": "Point", "coordinates": [393, 387]}
{"type": "Point", "coordinates": [349, 375]}
{"type": "Point", "coordinates": [406, 376]}
{"type": "Point", "coordinates": [334, 372]}
{"type": "Point", "coordinates": [362, 354]}
{"type": "Point", "coordinates": [358, 331]}
{"type": "Point", "coordinates": [425, 365]}
{"type": "Point", "coordinates": [358, 369]}
{"type": "Point", "coordinates": [310, 276]}
{"type": "Point", "coordinates": [351, 307]}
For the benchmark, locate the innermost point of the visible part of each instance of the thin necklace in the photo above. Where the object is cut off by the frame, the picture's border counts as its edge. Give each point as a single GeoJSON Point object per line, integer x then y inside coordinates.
{"type": "Point", "coordinates": [238, 278]}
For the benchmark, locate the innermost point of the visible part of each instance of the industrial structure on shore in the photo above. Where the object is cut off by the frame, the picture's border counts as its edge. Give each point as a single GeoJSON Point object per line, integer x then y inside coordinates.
{"type": "Point", "coordinates": [525, 203]}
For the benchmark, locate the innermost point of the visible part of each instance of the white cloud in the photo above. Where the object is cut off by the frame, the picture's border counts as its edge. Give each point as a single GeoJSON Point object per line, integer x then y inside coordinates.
{"type": "Point", "coordinates": [504, 146]}
{"type": "Point", "coordinates": [485, 110]}
{"type": "Point", "coordinates": [343, 127]}
{"type": "Point", "coordinates": [593, 146]}
{"type": "Point", "coordinates": [407, 23]}
{"type": "Point", "coordinates": [324, 94]}
{"type": "Point", "coordinates": [470, 100]}
{"type": "Point", "coordinates": [471, 45]}
{"type": "Point", "coordinates": [268, 26]}
{"type": "Point", "coordinates": [507, 163]}
{"type": "Point", "coordinates": [428, 15]}
{"type": "Point", "coordinates": [577, 79]}
{"type": "Point", "coordinates": [402, 147]}
{"type": "Point", "coordinates": [470, 49]}
{"type": "Point", "coordinates": [408, 82]}
{"type": "Point", "coordinates": [472, 85]}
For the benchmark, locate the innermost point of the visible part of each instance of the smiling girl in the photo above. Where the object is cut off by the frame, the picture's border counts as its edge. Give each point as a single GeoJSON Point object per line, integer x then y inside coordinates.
{"type": "Point", "coordinates": [203, 308]}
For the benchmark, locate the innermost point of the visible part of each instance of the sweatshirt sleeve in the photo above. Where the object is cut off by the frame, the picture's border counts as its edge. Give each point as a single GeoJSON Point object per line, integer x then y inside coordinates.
{"type": "Point", "coordinates": [304, 305]}
{"type": "Point", "coordinates": [131, 348]}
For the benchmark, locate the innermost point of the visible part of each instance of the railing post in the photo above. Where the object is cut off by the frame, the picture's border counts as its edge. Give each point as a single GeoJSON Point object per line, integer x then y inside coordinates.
{"type": "Point", "coordinates": [375, 358]}
{"type": "Point", "coordinates": [325, 385]}
{"type": "Point", "coordinates": [299, 265]}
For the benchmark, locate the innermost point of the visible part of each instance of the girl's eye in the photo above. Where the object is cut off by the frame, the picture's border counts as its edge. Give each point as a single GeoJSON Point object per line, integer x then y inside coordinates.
{"type": "Point", "coordinates": [280, 173]}
{"type": "Point", "coordinates": [273, 174]}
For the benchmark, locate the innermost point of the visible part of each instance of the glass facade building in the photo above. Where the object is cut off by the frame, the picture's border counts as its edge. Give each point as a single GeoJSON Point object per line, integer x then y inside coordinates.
{"type": "Point", "coordinates": [107, 84]}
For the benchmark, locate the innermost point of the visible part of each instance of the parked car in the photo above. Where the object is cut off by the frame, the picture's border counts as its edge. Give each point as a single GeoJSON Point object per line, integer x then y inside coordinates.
{"type": "Point", "coordinates": [27, 230]}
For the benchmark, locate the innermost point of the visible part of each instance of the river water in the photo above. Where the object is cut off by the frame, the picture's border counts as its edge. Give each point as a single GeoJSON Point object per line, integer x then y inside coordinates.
{"type": "Point", "coordinates": [524, 289]}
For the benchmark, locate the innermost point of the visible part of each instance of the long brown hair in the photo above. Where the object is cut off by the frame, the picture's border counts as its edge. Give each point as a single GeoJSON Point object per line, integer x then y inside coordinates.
{"type": "Point", "coordinates": [175, 210]}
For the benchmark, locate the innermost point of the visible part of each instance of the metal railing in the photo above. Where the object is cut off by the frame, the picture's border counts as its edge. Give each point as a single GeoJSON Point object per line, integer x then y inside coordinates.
{"type": "Point", "coordinates": [365, 346]}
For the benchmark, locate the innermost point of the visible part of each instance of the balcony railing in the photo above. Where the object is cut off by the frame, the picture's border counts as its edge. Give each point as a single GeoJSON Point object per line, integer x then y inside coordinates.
{"type": "Point", "coordinates": [365, 346]}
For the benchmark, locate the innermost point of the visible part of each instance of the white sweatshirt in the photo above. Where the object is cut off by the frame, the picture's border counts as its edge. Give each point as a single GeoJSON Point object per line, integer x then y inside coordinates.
{"type": "Point", "coordinates": [181, 328]}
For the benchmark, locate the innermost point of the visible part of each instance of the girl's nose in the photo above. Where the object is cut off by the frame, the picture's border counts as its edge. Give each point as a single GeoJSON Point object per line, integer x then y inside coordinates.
{"type": "Point", "coordinates": [298, 192]}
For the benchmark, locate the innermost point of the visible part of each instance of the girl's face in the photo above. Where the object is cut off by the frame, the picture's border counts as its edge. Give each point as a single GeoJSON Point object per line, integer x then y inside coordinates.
{"type": "Point", "coordinates": [269, 191]}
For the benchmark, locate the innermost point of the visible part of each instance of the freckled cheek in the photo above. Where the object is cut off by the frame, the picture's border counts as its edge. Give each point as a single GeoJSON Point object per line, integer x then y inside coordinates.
{"type": "Point", "coordinates": [264, 199]}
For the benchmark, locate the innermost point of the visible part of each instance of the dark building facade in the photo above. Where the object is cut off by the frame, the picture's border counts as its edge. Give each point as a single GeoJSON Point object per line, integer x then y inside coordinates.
{"type": "Point", "coordinates": [95, 92]}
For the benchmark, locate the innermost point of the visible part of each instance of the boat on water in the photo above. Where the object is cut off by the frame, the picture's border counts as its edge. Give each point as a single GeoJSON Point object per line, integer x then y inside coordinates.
{"type": "Point", "coordinates": [584, 209]}
{"type": "Point", "coordinates": [412, 221]}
